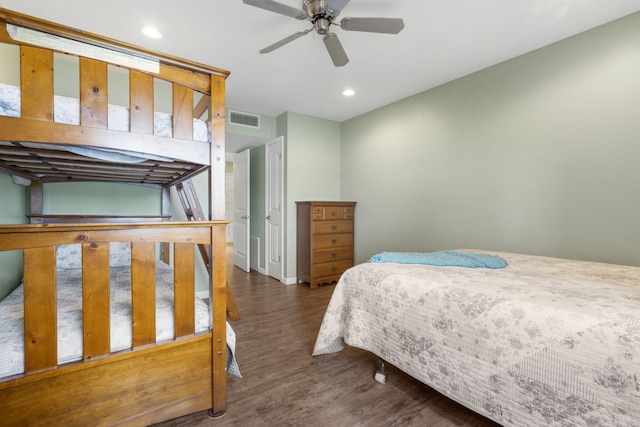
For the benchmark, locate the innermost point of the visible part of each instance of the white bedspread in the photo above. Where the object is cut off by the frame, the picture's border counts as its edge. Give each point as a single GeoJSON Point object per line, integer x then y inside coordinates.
{"type": "Point", "coordinates": [544, 341]}
{"type": "Point", "coordinates": [69, 298]}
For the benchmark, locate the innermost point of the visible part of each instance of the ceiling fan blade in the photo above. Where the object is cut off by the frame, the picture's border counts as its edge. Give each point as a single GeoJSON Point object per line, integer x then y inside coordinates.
{"type": "Point", "coordinates": [373, 25]}
{"type": "Point", "coordinates": [276, 7]}
{"type": "Point", "coordinates": [337, 5]}
{"type": "Point", "coordinates": [335, 49]}
{"type": "Point", "coordinates": [286, 40]}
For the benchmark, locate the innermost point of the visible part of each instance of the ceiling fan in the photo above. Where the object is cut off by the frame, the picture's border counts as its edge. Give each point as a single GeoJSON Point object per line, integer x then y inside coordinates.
{"type": "Point", "coordinates": [323, 14]}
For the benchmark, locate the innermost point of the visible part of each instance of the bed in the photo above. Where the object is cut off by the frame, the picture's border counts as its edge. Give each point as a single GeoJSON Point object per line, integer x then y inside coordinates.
{"type": "Point", "coordinates": [99, 379]}
{"type": "Point", "coordinates": [543, 341]}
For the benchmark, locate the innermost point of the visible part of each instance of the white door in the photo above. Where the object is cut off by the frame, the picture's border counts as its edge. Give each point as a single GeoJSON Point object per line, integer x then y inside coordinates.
{"type": "Point", "coordinates": [274, 234]}
{"type": "Point", "coordinates": [241, 210]}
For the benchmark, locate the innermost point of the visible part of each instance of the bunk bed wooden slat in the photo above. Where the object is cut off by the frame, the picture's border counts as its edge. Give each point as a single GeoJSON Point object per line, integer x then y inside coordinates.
{"type": "Point", "coordinates": [95, 300]}
{"type": "Point", "coordinates": [184, 324]}
{"type": "Point", "coordinates": [93, 93]}
{"type": "Point", "coordinates": [40, 309]}
{"type": "Point", "coordinates": [143, 273]}
{"type": "Point", "coordinates": [141, 102]}
{"type": "Point", "coordinates": [36, 81]}
{"type": "Point", "coordinates": [182, 112]}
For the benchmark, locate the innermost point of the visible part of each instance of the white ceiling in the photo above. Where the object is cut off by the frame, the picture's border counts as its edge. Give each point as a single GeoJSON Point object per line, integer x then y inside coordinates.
{"type": "Point", "coordinates": [442, 40]}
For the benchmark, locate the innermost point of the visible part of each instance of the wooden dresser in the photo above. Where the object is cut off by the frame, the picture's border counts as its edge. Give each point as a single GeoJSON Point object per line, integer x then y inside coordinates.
{"type": "Point", "coordinates": [324, 241]}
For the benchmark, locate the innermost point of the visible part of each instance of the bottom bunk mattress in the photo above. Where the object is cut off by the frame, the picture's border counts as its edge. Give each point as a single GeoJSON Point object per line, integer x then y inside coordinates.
{"type": "Point", "coordinates": [544, 341]}
{"type": "Point", "coordinates": [69, 318]}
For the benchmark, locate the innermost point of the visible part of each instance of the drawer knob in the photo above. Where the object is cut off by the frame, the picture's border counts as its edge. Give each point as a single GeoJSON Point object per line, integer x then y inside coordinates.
{"type": "Point", "coordinates": [334, 254]}
{"type": "Point", "coordinates": [334, 213]}
{"type": "Point", "coordinates": [334, 227]}
{"type": "Point", "coordinates": [334, 241]}
{"type": "Point", "coordinates": [334, 268]}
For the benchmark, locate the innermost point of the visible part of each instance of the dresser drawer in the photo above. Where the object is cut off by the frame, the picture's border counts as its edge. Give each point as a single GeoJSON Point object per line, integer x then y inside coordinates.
{"type": "Point", "coordinates": [325, 241]}
{"type": "Point", "coordinates": [327, 269]}
{"type": "Point", "coordinates": [330, 255]}
{"type": "Point", "coordinates": [348, 213]}
{"type": "Point", "coordinates": [332, 213]}
{"type": "Point", "coordinates": [329, 213]}
{"type": "Point", "coordinates": [317, 213]}
{"type": "Point", "coordinates": [327, 227]}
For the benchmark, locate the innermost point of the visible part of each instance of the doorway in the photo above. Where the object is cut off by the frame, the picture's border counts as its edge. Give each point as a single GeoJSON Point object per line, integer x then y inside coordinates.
{"type": "Point", "coordinates": [264, 239]}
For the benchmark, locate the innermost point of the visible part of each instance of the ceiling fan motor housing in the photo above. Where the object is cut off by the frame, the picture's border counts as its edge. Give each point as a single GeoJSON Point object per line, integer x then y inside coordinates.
{"type": "Point", "coordinates": [315, 8]}
{"type": "Point", "coordinates": [321, 16]}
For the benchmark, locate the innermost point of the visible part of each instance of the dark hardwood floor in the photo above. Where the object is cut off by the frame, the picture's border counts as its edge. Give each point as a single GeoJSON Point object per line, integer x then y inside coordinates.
{"type": "Point", "coordinates": [283, 385]}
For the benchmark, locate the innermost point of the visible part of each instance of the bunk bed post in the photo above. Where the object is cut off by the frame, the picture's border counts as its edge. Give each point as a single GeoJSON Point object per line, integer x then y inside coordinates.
{"type": "Point", "coordinates": [36, 201]}
{"type": "Point", "coordinates": [218, 285]}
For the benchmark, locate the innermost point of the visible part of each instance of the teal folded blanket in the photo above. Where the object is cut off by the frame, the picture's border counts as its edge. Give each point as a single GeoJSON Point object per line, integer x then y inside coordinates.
{"type": "Point", "coordinates": [442, 258]}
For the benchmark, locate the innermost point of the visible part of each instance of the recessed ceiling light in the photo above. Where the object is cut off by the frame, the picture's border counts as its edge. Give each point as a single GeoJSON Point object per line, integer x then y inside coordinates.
{"type": "Point", "coordinates": [348, 92]}
{"type": "Point", "coordinates": [151, 32]}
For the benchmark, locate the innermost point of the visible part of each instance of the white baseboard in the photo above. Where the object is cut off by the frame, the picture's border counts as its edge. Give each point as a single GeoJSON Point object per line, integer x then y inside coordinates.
{"type": "Point", "coordinates": [289, 280]}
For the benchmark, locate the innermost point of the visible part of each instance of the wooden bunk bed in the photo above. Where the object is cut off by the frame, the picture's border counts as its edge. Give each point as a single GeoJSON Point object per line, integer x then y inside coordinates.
{"type": "Point", "coordinates": [150, 381]}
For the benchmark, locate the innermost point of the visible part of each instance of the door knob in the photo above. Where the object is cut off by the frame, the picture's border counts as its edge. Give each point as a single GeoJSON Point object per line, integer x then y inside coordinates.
{"type": "Point", "coordinates": [268, 216]}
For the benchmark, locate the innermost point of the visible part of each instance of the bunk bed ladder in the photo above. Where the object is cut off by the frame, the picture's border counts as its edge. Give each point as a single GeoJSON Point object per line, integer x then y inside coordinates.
{"type": "Point", "coordinates": [193, 210]}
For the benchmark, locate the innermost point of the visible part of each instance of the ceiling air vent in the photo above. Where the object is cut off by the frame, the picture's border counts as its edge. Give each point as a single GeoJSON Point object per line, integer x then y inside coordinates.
{"type": "Point", "coordinates": [244, 119]}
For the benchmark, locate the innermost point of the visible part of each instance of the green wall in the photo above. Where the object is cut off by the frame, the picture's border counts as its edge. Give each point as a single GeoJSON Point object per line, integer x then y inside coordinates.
{"type": "Point", "coordinates": [312, 170]}
{"type": "Point", "coordinates": [536, 155]}
{"type": "Point", "coordinates": [12, 211]}
{"type": "Point", "coordinates": [10, 70]}
{"type": "Point", "coordinates": [100, 198]}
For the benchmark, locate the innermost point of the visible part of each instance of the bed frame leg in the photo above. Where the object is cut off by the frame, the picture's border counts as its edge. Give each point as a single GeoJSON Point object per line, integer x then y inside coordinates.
{"type": "Point", "coordinates": [381, 377]}
{"type": "Point", "coordinates": [216, 416]}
